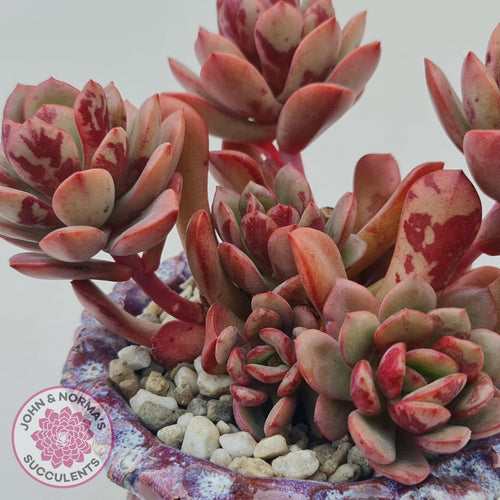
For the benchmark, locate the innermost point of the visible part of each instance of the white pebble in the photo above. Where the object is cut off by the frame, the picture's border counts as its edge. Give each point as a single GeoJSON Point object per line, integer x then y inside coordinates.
{"type": "Point", "coordinates": [238, 444]}
{"type": "Point", "coordinates": [201, 438]}
{"type": "Point", "coordinates": [186, 376]}
{"type": "Point", "coordinates": [271, 447]}
{"type": "Point", "coordinates": [184, 419]}
{"type": "Point", "coordinates": [298, 464]}
{"type": "Point", "coordinates": [172, 435]}
{"type": "Point", "coordinates": [224, 427]}
{"type": "Point", "coordinates": [143, 395]}
{"type": "Point", "coordinates": [136, 356]}
{"type": "Point", "coordinates": [221, 457]}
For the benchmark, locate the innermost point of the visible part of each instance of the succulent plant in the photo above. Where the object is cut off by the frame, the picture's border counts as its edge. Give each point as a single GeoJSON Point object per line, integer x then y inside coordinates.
{"type": "Point", "coordinates": [365, 317]}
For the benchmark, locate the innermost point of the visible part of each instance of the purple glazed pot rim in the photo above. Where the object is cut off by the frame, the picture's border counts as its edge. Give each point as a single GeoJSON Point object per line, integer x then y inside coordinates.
{"type": "Point", "coordinates": [142, 464]}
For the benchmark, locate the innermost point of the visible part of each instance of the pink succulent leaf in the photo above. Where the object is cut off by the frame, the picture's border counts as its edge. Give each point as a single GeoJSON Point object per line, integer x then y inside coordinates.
{"type": "Point", "coordinates": [226, 125]}
{"type": "Point", "coordinates": [447, 104]}
{"type": "Point", "coordinates": [173, 131]}
{"type": "Point", "coordinates": [381, 231]}
{"type": "Point", "coordinates": [41, 266]}
{"type": "Point", "coordinates": [205, 265]}
{"type": "Point", "coordinates": [288, 180]}
{"type": "Point", "coordinates": [493, 55]}
{"type": "Point", "coordinates": [8, 178]}
{"type": "Point", "coordinates": [258, 319]}
{"type": "Point", "coordinates": [474, 398]}
{"type": "Point", "coordinates": [116, 107]}
{"type": "Point", "coordinates": [237, 20]}
{"type": "Point", "coordinates": [238, 86]}
{"type": "Point", "coordinates": [308, 112]}
{"type": "Point", "coordinates": [391, 370]}
{"type": "Point", "coordinates": [322, 365]}
{"type": "Point", "coordinates": [188, 79]}
{"type": "Point", "coordinates": [267, 374]}
{"type": "Point", "coordinates": [74, 243]}
{"type": "Point", "coordinates": [441, 391]}
{"type": "Point", "coordinates": [291, 382]}
{"type": "Point", "coordinates": [144, 137]}
{"type": "Point", "coordinates": [276, 303]}
{"type": "Point", "coordinates": [112, 155]}
{"type": "Point", "coordinates": [341, 221]}
{"type": "Point", "coordinates": [248, 396]}
{"type": "Point", "coordinates": [113, 317]}
{"type": "Point", "coordinates": [407, 325]}
{"type": "Point", "coordinates": [23, 236]}
{"type": "Point", "coordinates": [314, 58]}
{"type": "Point", "coordinates": [374, 436]}
{"type": "Point", "coordinates": [305, 317]}
{"type": "Point", "coordinates": [178, 341]}
{"type": "Point", "coordinates": [249, 202]}
{"type": "Point", "coordinates": [410, 466]}
{"type": "Point", "coordinates": [280, 416]}
{"type": "Point", "coordinates": [330, 416]}
{"type": "Point", "coordinates": [152, 181]}
{"type": "Point", "coordinates": [92, 119]}
{"type": "Point", "coordinates": [51, 91]}
{"type": "Point", "coordinates": [318, 261]}
{"type": "Point", "coordinates": [363, 389]}
{"type": "Point", "coordinates": [412, 292]}
{"type": "Point", "coordinates": [284, 215]}
{"type": "Point", "coordinates": [490, 345]}
{"type": "Point", "coordinates": [347, 296]}
{"type": "Point", "coordinates": [453, 321]}
{"type": "Point", "coordinates": [356, 68]}
{"type": "Point", "coordinates": [485, 423]}
{"type": "Point", "coordinates": [353, 250]}
{"type": "Point", "coordinates": [292, 290]}
{"type": "Point", "coordinates": [315, 13]}
{"type": "Point", "coordinates": [477, 301]}
{"type": "Point", "coordinates": [376, 177]}
{"type": "Point", "coordinates": [207, 43]}
{"type": "Point", "coordinates": [431, 363]}
{"type": "Point", "coordinates": [419, 417]}
{"type": "Point", "coordinates": [488, 237]}
{"type": "Point", "coordinates": [356, 336]}
{"type": "Point", "coordinates": [448, 439]}
{"type": "Point", "coordinates": [13, 111]}
{"type": "Point", "coordinates": [42, 155]}
{"type": "Point", "coordinates": [25, 209]}
{"type": "Point", "coordinates": [480, 95]}
{"type": "Point", "coordinates": [85, 198]}
{"type": "Point", "coordinates": [250, 419]}
{"type": "Point", "coordinates": [278, 33]}
{"type": "Point", "coordinates": [234, 169]}
{"type": "Point", "coordinates": [263, 199]}
{"type": "Point", "coordinates": [301, 198]}
{"type": "Point", "coordinates": [228, 338]}
{"type": "Point", "coordinates": [281, 254]}
{"type": "Point", "coordinates": [147, 230]}
{"type": "Point", "coordinates": [482, 150]}
{"type": "Point", "coordinates": [261, 354]}
{"type": "Point", "coordinates": [241, 269]}
{"type": "Point", "coordinates": [413, 380]}
{"type": "Point", "coordinates": [226, 224]}
{"type": "Point", "coordinates": [256, 228]}
{"type": "Point", "coordinates": [432, 244]}
{"type": "Point", "coordinates": [467, 354]}
{"type": "Point", "coordinates": [352, 34]}
{"type": "Point", "coordinates": [282, 343]}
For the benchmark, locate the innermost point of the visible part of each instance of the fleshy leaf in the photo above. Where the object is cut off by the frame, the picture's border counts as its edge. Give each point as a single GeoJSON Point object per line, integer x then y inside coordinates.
{"type": "Point", "coordinates": [330, 415]}
{"type": "Point", "coordinates": [441, 391]}
{"type": "Point", "coordinates": [448, 439]}
{"type": "Point", "coordinates": [490, 345]}
{"type": "Point", "coordinates": [356, 336]}
{"type": "Point", "coordinates": [280, 416]}
{"type": "Point", "coordinates": [418, 417]}
{"type": "Point", "coordinates": [363, 389]}
{"type": "Point", "coordinates": [474, 398]}
{"type": "Point", "coordinates": [391, 370]}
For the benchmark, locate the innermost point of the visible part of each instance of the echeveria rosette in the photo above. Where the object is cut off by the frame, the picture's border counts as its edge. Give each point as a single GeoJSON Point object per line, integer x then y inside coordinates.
{"type": "Point", "coordinates": [277, 70]}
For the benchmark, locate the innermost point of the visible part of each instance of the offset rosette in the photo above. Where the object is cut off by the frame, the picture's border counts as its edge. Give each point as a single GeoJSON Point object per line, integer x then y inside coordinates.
{"type": "Point", "coordinates": [83, 171]}
{"type": "Point", "coordinates": [277, 70]}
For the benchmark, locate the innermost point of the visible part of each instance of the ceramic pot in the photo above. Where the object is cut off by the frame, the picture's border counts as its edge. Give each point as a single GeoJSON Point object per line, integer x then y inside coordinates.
{"type": "Point", "coordinates": [143, 465]}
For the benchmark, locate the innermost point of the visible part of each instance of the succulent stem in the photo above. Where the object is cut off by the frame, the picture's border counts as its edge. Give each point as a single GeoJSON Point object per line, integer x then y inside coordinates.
{"type": "Point", "coordinates": [293, 159]}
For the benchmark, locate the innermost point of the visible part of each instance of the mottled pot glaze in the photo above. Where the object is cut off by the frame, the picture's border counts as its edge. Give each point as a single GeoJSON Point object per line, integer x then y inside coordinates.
{"type": "Point", "coordinates": [143, 465]}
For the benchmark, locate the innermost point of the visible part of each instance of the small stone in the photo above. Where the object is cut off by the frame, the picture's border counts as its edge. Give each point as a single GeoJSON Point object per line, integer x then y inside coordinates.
{"type": "Point", "coordinates": [197, 406]}
{"type": "Point", "coordinates": [201, 438]}
{"type": "Point", "coordinates": [224, 427]}
{"type": "Point", "coordinates": [153, 367]}
{"type": "Point", "coordinates": [209, 385]}
{"type": "Point", "coordinates": [356, 456]}
{"type": "Point", "coordinates": [184, 419]}
{"type": "Point", "coordinates": [227, 398]}
{"type": "Point", "coordinates": [136, 356]}
{"type": "Point", "coordinates": [346, 473]}
{"type": "Point", "coordinates": [324, 452]}
{"type": "Point", "coordinates": [338, 458]}
{"type": "Point", "coordinates": [238, 444]}
{"type": "Point", "coordinates": [221, 457]}
{"type": "Point", "coordinates": [318, 476]}
{"type": "Point", "coordinates": [298, 464]}
{"type": "Point", "coordinates": [183, 393]}
{"type": "Point", "coordinates": [129, 387]}
{"type": "Point", "coordinates": [120, 371]}
{"type": "Point", "coordinates": [142, 395]}
{"type": "Point", "coordinates": [185, 375]}
{"type": "Point", "coordinates": [172, 435]}
{"type": "Point", "coordinates": [155, 416]}
{"type": "Point", "coordinates": [218, 410]}
{"type": "Point", "coordinates": [249, 466]}
{"type": "Point", "coordinates": [157, 384]}
{"type": "Point", "coordinates": [271, 447]}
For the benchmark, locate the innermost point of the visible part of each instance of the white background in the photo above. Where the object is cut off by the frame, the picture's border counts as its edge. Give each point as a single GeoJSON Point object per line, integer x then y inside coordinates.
{"type": "Point", "coordinates": [128, 42]}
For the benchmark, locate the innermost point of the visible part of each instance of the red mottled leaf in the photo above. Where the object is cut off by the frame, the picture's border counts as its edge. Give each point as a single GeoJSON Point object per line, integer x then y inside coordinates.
{"type": "Point", "coordinates": [363, 389]}
{"type": "Point", "coordinates": [247, 396]}
{"type": "Point", "coordinates": [250, 419]}
{"type": "Point", "coordinates": [267, 374]}
{"type": "Point", "coordinates": [256, 228]}
{"type": "Point", "coordinates": [290, 382]}
{"type": "Point", "coordinates": [391, 370]}
{"type": "Point", "coordinates": [474, 398]}
{"type": "Point", "coordinates": [431, 363]}
{"type": "Point", "coordinates": [467, 354]}
{"type": "Point", "coordinates": [485, 423]}
{"type": "Point", "coordinates": [441, 391]}
{"type": "Point", "coordinates": [352, 33]}
{"type": "Point", "coordinates": [258, 319]}
{"type": "Point", "coordinates": [341, 221]}
{"type": "Point", "coordinates": [330, 415]}
{"type": "Point", "coordinates": [449, 439]}
{"type": "Point", "coordinates": [276, 303]}
{"type": "Point", "coordinates": [227, 339]}
{"type": "Point", "coordinates": [282, 343]}
{"type": "Point", "coordinates": [280, 416]}
{"type": "Point", "coordinates": [418, 417]}
{"type": "Point", "coordinates": [207, 42]}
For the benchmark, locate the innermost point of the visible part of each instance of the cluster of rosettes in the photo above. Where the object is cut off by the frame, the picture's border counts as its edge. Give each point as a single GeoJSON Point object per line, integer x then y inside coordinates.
{"type": "Point", "coordinates": [410, 374]}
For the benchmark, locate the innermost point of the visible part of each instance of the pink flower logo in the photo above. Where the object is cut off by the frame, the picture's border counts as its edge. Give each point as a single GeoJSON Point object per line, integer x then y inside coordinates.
{"type": "Point", "coordinates": [63, 437]}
